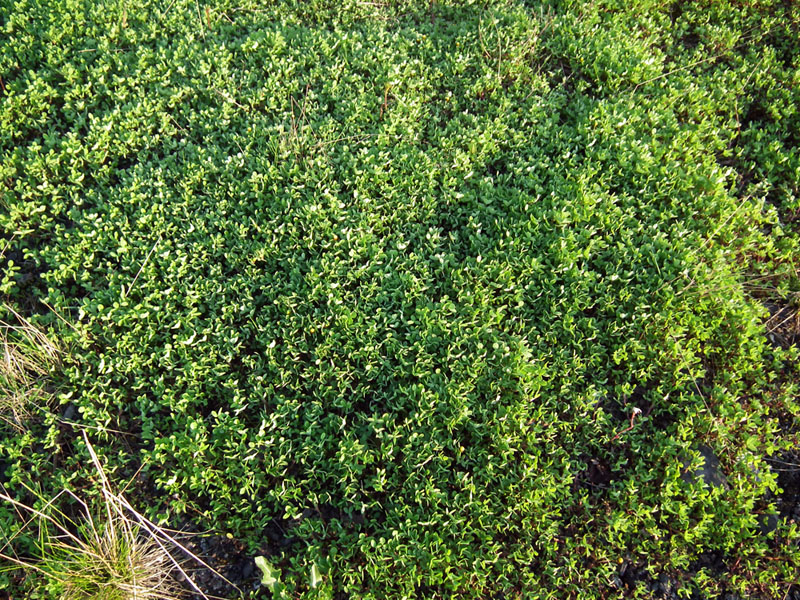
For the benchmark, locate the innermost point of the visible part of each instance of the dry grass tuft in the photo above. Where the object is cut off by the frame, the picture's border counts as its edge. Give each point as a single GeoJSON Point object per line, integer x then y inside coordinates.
{"type": "Point", "coordinates": [28, 357]}
{"type": "Point", "coordinates": [111, 554]}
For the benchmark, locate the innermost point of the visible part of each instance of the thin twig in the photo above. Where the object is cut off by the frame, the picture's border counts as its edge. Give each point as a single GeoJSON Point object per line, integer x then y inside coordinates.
{"type": "Point", "coordinates": [200, 18]}
{"type": "Point", "coordinates": [130, 287]}
{"type": "Point", "coordinates": [636, 412]}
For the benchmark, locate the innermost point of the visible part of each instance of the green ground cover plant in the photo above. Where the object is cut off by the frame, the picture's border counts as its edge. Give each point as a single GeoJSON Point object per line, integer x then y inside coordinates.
{"type": "Point", "coordinates": [415, 299]}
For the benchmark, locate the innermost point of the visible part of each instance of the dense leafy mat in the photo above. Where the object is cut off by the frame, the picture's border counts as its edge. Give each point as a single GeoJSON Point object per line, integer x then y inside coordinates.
{"type": "Point", "coordinates": [379, 287]}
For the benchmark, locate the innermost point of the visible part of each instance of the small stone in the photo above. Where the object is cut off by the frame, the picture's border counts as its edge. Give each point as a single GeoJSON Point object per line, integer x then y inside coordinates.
{"type": "Point", "coordinates": [247, 568]}
{"type": "Point", "coordinates": [70, 412]}
{"type": "Point", "coordinates": [709, 471]}
{"type": "Point", "coordinates": [767, 524]}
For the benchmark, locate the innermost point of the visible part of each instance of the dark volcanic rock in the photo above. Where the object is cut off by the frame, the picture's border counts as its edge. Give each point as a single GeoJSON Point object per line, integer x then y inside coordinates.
{"type": "Point", "coordinates": [708, 472]}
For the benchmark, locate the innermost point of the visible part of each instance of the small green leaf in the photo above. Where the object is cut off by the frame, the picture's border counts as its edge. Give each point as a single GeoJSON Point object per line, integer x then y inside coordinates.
{"type": "Point", "coordinates": [269, 573]}
{"type": "Point", "coordinates": [316, 577]}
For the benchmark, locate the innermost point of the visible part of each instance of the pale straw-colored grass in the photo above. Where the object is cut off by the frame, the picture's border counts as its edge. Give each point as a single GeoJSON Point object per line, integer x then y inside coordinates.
{"type": "Point", "coordinates": [27, 357]}
{"type": "Point", "coordinates": [115, 553]}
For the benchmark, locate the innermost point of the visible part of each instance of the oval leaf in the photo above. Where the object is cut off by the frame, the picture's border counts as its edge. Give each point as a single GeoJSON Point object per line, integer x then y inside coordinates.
{"type": "Point", "coordinates": [269, 574]}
